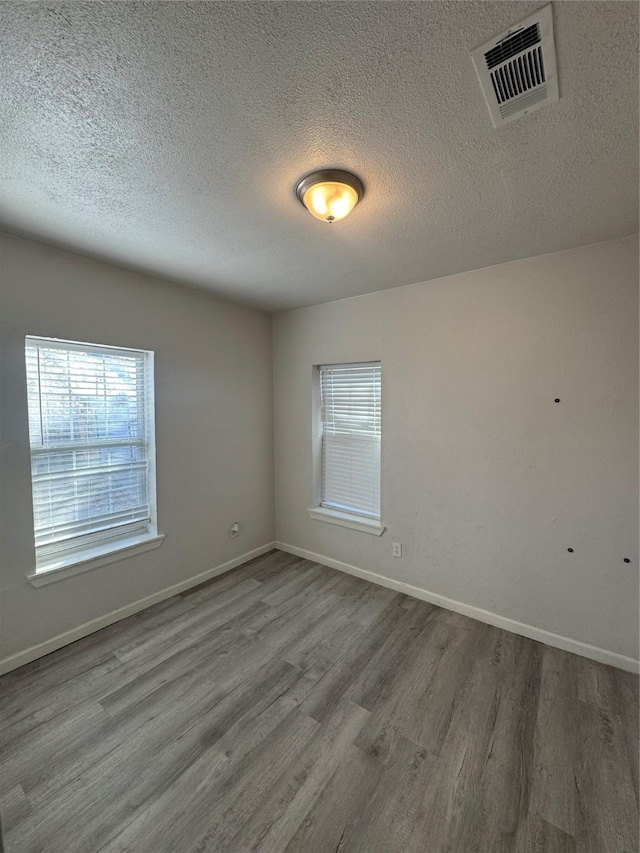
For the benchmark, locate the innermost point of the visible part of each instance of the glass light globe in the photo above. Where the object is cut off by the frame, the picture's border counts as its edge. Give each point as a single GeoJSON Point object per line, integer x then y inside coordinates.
{"type": "Point", "coordinates": [330, 200]}
{"type": "Point", "coordinates": [329, 194]}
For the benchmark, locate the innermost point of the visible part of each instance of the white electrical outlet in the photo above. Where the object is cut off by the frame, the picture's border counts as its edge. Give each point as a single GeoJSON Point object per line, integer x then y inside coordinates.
{"type": "Point", "coordinates": [397, 549]}
{"type": "Point", "coordinates": [234, 530]}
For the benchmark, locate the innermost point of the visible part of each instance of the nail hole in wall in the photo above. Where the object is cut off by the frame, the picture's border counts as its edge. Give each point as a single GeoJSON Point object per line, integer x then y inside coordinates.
{"type": "Point", "coordinates": [627, 560]}
{"type": "Point", "coordinates": [570, 550]}
{"type": "Point", "coordinates": [557, 400]}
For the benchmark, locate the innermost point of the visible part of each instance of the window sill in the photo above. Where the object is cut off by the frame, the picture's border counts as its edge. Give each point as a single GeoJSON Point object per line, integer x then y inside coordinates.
{"type": "Point", "coordinates": [344, 519]}
{"type": "Point", "coordinates": [94, 558]}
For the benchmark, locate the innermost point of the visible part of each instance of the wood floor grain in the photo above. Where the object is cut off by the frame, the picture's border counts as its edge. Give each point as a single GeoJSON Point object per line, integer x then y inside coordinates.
{"type": "Point", "coordinates": [287, 707]}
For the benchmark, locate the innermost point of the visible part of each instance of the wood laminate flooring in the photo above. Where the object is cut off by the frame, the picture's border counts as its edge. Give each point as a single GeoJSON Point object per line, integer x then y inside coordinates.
{"type": "Point", "coordinates": [287, 707]}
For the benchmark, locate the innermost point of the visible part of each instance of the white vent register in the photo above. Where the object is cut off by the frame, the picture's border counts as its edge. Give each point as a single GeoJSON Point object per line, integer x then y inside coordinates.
{"type": "Point", "coordinates": [517, 68]}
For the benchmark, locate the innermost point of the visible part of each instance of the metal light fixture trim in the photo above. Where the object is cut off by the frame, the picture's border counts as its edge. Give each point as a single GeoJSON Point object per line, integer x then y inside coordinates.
{"type": "Point", "coordinates": [329, 177]}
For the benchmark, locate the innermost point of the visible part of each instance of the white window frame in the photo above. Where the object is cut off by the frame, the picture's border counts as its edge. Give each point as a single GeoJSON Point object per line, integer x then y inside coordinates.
{"type": "Point", "coordinates": [317, 511]}
{"type": "Point", "coordinates": [134, 538]}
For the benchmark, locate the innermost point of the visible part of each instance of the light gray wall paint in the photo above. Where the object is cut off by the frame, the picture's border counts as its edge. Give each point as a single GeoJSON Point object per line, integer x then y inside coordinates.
{"type": "Point", "coordinates": [214, 429]}
{"type": "Point", "coordinates": [485, 480]}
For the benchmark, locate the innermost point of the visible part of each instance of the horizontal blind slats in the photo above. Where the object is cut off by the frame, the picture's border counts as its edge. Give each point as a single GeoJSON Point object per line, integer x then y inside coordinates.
{"type": "Point", "coordinates": [68, 476]}
{"type": "Point", "coordinates": [351, 431]}
{"type": "Point", "coordinates": [116, 530]}
{"type": "Point", "coordinates": [88, 431]}
{"type": "Point", "coordinates": [87, 446]}
{"type": "Point", "coordinates": [69, 534]}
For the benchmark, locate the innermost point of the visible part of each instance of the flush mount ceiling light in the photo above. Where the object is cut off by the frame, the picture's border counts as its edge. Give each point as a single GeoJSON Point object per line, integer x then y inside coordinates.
{"type": "Point", "coordinates": [330, 194]}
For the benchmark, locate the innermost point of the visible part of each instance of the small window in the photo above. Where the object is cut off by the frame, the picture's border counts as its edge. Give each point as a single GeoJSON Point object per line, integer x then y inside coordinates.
{"type": "Point", "coordinates": [350, 407]}
{"type": "Point", "coordinates": [92, 448]}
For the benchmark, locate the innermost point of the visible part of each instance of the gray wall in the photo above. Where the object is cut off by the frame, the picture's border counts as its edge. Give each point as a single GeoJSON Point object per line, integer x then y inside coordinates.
{"type": "Point", "coordinates": [485, 480]}
{"type": "Point", "coordinates": [214, 429]}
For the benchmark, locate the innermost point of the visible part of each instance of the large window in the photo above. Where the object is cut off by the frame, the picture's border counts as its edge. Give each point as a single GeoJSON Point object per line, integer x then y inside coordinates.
{"type": "Point", "coordinates": [350, 411]}
{"type": "Point", "coordinates": [92, 448]}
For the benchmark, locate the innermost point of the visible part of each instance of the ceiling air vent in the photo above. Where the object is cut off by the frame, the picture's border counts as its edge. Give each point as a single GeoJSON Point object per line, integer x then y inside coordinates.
{"type": "Point", "coordinates": [517, 69]}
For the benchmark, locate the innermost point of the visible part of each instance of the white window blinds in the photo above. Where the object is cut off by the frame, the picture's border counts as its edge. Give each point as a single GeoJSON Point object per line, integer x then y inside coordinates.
{"type": "Point", "coordinates": [91, 434]}
{"type": "Point", "coordinates": [350, 405]}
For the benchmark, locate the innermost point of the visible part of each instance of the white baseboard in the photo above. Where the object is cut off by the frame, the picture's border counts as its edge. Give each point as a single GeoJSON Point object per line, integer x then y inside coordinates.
{"type": "Point", "coordinates": [549, 638]}
{"type": "Point", "coordinates": [41, 649]}
{"type": "Point", "coordinates": [540, 634]}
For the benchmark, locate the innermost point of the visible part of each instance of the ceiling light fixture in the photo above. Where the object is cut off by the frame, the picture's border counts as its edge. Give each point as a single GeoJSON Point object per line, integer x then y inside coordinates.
{"type": "Point", "coordinates": [330, 194]}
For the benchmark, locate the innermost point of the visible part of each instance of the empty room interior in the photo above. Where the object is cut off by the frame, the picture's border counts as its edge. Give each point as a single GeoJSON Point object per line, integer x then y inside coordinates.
{"type": "Point", "coordinates": [319, 427]}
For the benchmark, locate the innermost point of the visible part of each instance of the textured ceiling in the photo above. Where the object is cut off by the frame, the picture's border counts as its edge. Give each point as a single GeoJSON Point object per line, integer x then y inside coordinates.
{"type": "Point", "coordinates": [168, 137]}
